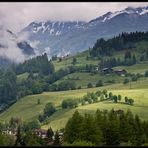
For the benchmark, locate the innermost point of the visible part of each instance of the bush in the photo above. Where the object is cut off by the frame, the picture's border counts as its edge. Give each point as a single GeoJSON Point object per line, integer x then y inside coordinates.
{"type": "Point", "coordinates": [146, 74]}
{"type": "Point", "coordinates": [49, 109]}
{"type": "Point", "coordinates": [130, 101]}
{"type": "Point", "coordinates": [69, 103]}
{"type": "Point", "coordinates": [139, 75]}
{"type": "Point", "coordinates": [38, 102]}
{"type": "Point", "coordinates": [110, 95]}
{"type": "Point", "coordinates": [98, 93]}
{"type": "Point", "coordinates": [126, 81]}
{"type": "Point", "coordinates": [74, 61]}
{"type": "Point", "coordinates": [7, 140]}
{"type": "Point", "coordinates": [115, 98]}
{"type": "Point", "coordinates": [110, 81]}
{"type": "Point", "coordinates": [99, 83]}
{"type": "Point", "coordinates": [119, 97]}
{"type": "Point", "coordinates": [41, 118]}
{"type": "Point", "coordinates": [66, 85]}
{"type": "Point", "coordinates": [126, 99]}
{"type": "Point", "coordinates": [89, 85]}
{"type": "Point", "coordinates": [79, 87]}
{"type": "Point", "coordinates": [134, 78]}
{"type": "Point", "coordinates": [34, 124]}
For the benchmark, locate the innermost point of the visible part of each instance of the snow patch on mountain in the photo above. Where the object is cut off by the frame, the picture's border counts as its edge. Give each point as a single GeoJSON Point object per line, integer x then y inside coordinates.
{"type": "Point", "coordinates": [144, 11]}
{"type": "Point", "coordinates": [128, 10]}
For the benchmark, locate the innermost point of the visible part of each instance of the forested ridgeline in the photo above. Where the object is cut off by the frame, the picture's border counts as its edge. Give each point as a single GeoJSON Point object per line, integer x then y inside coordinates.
{"type": "Point", "coordinates": [121, 42]}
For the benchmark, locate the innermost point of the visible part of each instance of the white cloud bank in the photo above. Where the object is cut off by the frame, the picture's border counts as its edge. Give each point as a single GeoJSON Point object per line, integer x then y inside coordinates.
{"type": "Point", "coordinates": [9, 47]}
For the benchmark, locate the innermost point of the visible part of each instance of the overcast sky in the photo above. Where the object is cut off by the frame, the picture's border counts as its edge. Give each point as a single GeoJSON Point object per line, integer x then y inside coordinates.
{"type": "Point", "coordinates": [17, 15]}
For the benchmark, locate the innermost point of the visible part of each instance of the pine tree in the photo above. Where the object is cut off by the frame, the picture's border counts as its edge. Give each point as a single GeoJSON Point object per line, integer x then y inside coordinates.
{"type": "Point", "coordinates": [57, 139]}
{"type": "Point", "coordinates": [50, 133]}
{"type": "Point", "coordinates": [112, 131]}
{"type": "Point", "coordinates": [18, 136]}
{"type": "Point", "coordinates": [74, 61]}
{"type": "Point", "coordinates": [90, 131]}
{"type": "Point", "coordinates": [73, 127]}
{"type": "Point", "coordinates": [134, 59]}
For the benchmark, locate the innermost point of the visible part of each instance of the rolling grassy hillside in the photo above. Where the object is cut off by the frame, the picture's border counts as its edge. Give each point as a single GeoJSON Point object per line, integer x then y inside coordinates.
{"type": "Point", "coordinates": [81, 60]}
{"type": "Point", "coordinates": [27, 107]}
{"type": "Point", "coordinates": [59, 119]}
{"type": "Point", "coordinates": [138, 68]}
{"type": "Point", "coordinates": [85, 78]}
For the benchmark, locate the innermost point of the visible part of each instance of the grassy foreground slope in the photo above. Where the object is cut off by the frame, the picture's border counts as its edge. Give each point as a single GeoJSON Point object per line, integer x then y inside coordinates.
{"type": "Point", "coordinates": [27, 108]}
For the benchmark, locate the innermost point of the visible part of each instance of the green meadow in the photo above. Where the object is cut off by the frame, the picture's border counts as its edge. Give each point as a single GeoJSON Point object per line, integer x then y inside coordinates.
{"type": "Point", "coordinates": [28, 109]}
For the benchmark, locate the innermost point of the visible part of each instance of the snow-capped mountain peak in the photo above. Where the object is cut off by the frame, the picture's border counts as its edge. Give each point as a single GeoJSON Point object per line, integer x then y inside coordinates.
{"type": "Point", "coordinates": [74, 36]}
{"type": "Point", "coordinates": [128, 10]}
{"type": "Point", "coordinates": [54, 28]}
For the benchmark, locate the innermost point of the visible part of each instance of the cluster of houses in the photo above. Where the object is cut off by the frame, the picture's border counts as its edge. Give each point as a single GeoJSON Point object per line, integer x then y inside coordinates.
{"type": "Point", "coordinates": [10, 131]}
{"type": "Point", "coordinates": [43, 134]}
{"type": "Point", "coordinates": [40, 132]}
{"type": "Point", "coordinates": [109, 70]}
{"type": "Point", "coordinates": [63, 57]}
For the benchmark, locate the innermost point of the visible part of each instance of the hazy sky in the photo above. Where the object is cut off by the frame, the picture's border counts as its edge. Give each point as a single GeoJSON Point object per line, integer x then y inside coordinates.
{"type": "Point", "coordinates": [17, 15]}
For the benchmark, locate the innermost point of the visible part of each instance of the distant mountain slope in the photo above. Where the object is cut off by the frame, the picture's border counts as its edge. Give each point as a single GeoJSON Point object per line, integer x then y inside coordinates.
{"type": "Point", "coordinates": [23, 45]}
{"type": "Point", "coordinates": [55, 37]}
{"type": "Point", "coordinates": [12, 49]}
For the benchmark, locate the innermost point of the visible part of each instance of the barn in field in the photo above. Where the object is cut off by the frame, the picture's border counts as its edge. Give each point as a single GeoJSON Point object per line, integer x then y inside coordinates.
{"type": "Point", "coordinates": [121, 72]}
{"type": "Point", "coordinates": [107, 70]}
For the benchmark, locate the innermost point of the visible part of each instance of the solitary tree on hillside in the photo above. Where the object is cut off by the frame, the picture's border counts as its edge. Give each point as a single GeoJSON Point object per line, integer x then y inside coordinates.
{"type": "Point", "coordinates": [89, 85]}
{"type": "Point", "coordinates": [49, 109]}
{"type": "Point", "coordinates": [98, 93]}
{"type": "Point", "coordinates": [126, 99]}
{"type": "Point", "coordinates": [115, 98]}
{"type": "Point", "coordinates": [39, 102]}
{"type": "Point", "coordinates": [130, 101]}
{"type": "Point", "coordinates": [126, 81]}
{"type": "Point", "coordinates": [119, 97]}
{"type": "Point", "coordinates": [74, 60]}
{"type": "Point", "coordinates": [110, 95]}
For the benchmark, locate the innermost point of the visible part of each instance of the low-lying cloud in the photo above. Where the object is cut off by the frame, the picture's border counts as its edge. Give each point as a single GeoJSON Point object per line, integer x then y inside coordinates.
{"type": "Point", "coordinates": [9, 48]}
